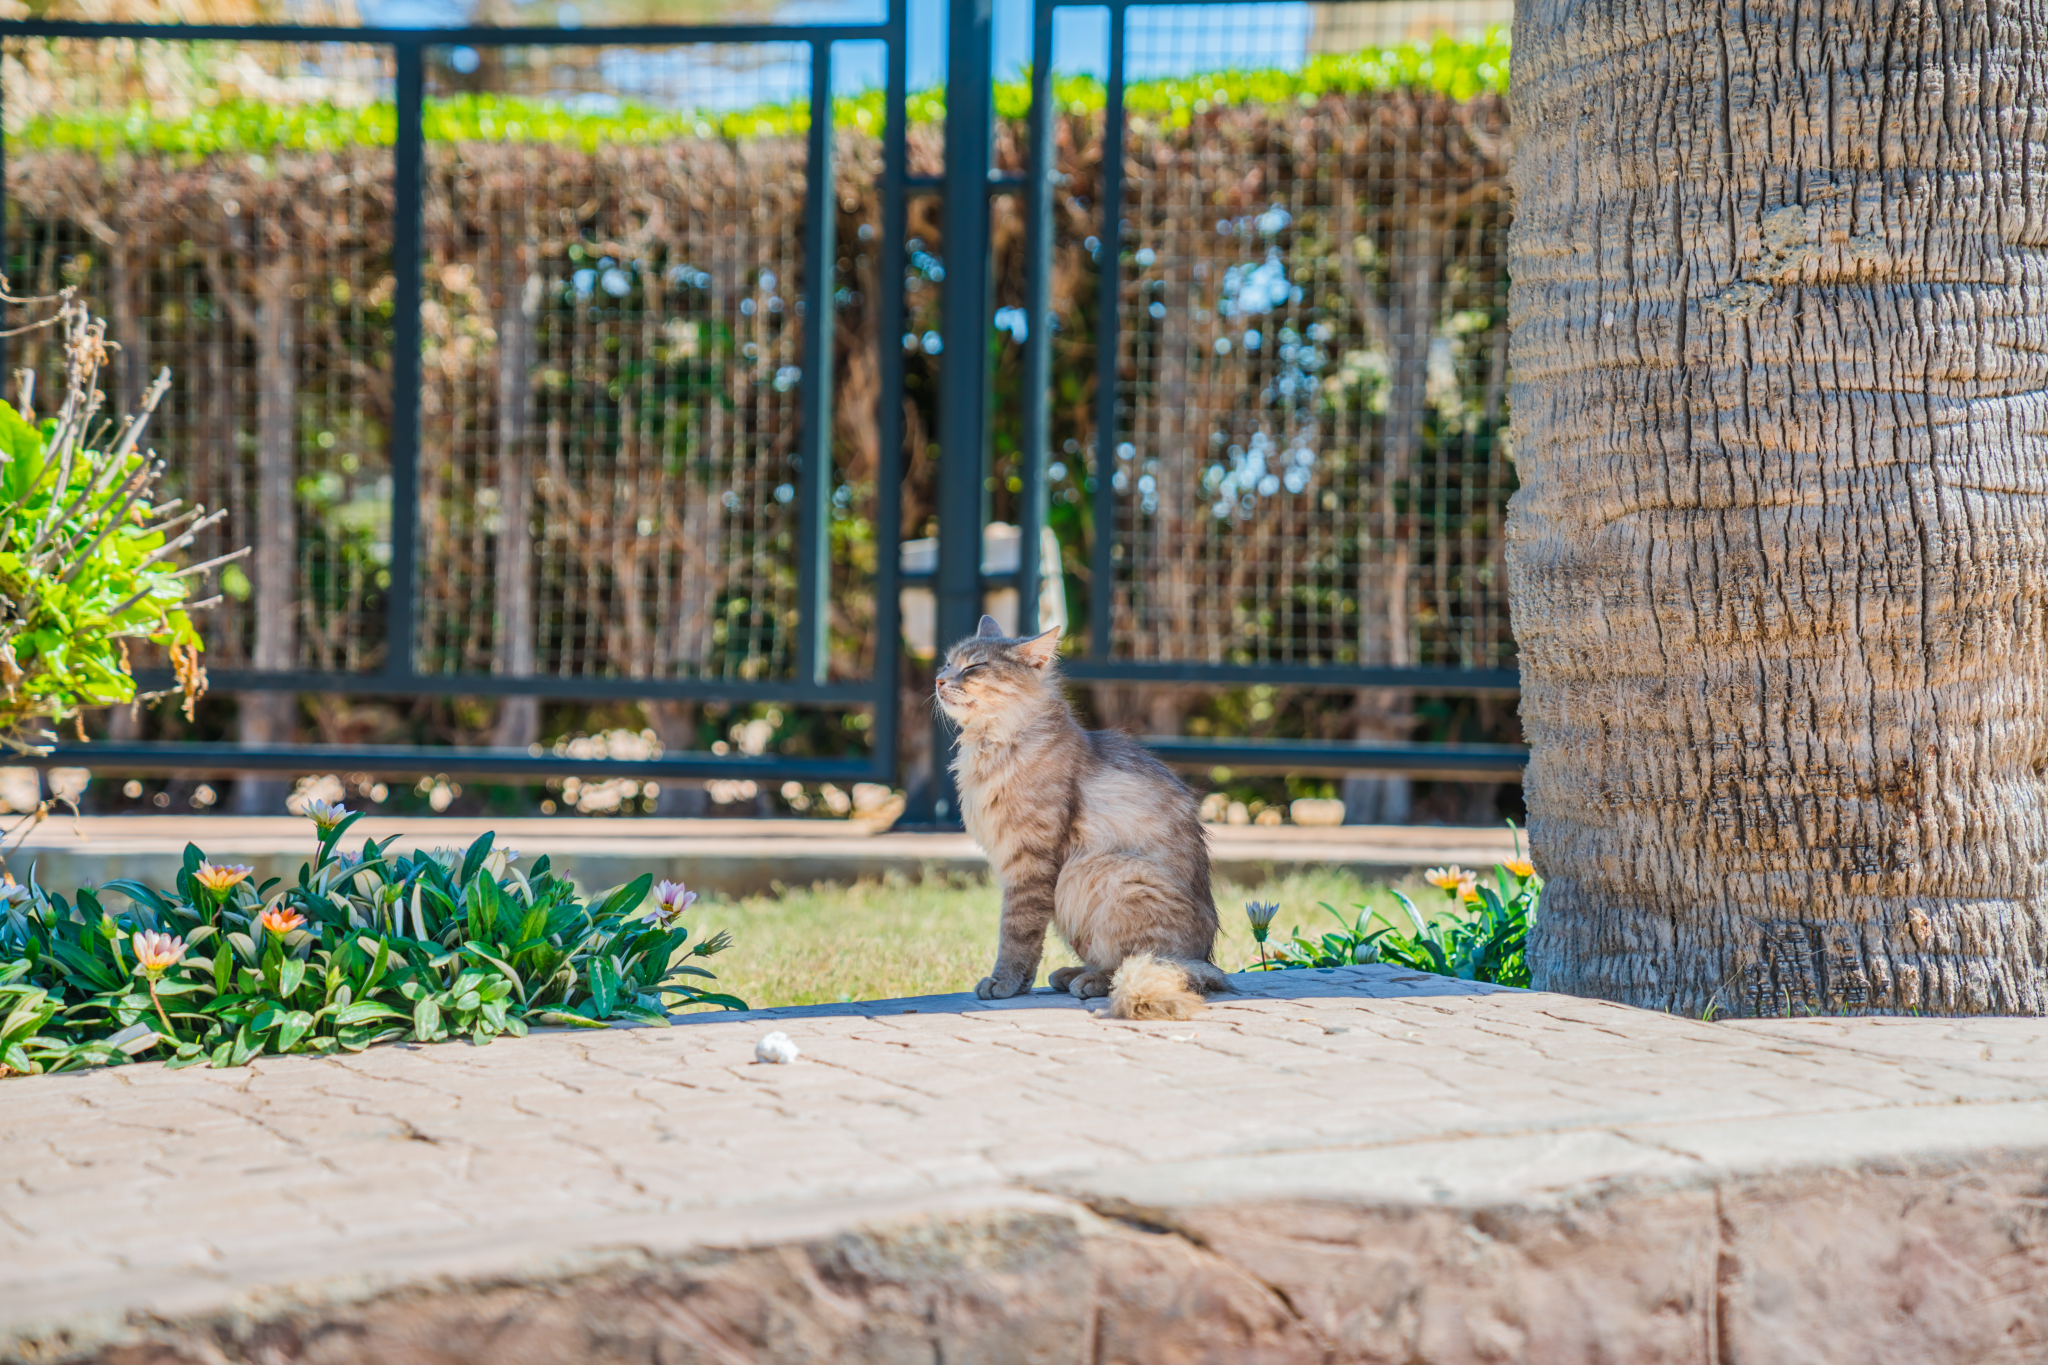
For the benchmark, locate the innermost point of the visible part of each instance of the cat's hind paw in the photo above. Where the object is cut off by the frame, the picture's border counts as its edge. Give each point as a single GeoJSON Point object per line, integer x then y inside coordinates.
{"type": "Point", "coordinates": [1088, 984]}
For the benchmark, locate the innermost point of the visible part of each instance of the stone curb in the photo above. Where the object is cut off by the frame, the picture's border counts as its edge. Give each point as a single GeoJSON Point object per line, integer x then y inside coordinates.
{"type": "Point", "coordinates": [1356, 1165]}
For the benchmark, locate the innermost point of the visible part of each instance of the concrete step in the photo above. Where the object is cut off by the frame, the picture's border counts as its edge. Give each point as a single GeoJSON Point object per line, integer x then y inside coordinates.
{"type": "Point", "coordinates": [734, 857]}
{"type": "Point", "coordinates": [1365, 1164]}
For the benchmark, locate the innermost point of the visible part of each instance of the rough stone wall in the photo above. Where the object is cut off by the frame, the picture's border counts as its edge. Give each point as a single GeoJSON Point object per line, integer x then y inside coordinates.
{"type": "Point", "coordinates": [1903, 1266]}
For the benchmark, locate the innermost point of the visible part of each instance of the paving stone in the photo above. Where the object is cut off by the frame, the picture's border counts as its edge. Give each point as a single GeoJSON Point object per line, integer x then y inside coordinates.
{"type": "Point", "coordinates": [1364, 1164]}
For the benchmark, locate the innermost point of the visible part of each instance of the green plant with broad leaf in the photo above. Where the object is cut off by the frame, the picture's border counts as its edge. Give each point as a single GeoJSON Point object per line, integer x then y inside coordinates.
{"type": "Point", "coordinates": [363, 948]}
{"type": "Point", "coordinates": [1482, 934]}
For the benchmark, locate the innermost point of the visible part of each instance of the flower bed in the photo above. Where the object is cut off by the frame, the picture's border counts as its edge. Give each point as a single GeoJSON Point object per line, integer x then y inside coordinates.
{"type": "Point", "coordinates": [364, 948]}
{"type": "Point", "coordinates": [1481, 935]}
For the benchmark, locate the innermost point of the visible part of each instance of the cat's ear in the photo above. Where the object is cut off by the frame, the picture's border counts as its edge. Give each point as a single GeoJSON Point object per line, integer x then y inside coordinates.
{"type": "Point", "coordinates": [990, 630]}
{"type": "Point", "coordinates": [1039, 650]}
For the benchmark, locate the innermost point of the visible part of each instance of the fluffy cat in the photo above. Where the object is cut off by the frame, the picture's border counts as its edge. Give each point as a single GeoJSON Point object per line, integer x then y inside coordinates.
{"type": "Point", "coordinates": [1086, 831]}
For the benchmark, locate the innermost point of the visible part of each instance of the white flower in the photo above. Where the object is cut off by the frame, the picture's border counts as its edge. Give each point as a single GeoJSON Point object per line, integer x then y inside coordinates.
{"type": "Point", "coordinates": [325, 815]}
{"type": "Point", "coordinates": [671, 899]}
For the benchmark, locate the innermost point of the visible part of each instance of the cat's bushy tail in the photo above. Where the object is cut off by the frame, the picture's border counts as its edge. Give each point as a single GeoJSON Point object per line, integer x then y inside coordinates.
{"type": "Point", "coordinates": [1148, 987]}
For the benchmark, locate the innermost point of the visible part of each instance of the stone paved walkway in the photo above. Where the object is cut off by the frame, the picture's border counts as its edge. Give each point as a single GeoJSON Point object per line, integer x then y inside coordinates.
{"type": "Point", "coordinates": [1364, 1164]}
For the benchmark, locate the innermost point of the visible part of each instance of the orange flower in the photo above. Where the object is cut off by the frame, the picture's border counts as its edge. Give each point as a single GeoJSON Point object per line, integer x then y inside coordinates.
{"type": "Point", "coordinates": [221, 880]}
{"type": "Point", "coordinates": [157, 953]}
{"type": "Point", "coordinates": [1520, 867]}
{"type": "Point", "coordinates": [280, 921]}
{"type": "Point", "coordinates": [1447, 878]}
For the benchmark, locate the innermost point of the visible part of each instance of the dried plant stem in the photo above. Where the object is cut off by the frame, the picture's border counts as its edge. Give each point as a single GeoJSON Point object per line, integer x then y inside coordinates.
{"type": "Point", "coordinates": [143, 478]}
{"type": "Point", "coordinates": [172, 546]}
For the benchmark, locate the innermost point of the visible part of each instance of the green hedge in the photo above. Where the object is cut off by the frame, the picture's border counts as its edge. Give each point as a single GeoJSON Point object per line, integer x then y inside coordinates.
{"type": "Point", "coordinates": [1458, 68]}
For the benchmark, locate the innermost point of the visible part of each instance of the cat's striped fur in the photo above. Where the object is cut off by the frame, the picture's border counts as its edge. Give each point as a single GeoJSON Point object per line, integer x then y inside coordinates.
{"type": "Point", "coordinates": [1086, 831]}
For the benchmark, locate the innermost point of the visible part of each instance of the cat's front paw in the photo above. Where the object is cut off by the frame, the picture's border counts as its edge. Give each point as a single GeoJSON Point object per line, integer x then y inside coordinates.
{"type": "Point", "coordinates": [998, 988]}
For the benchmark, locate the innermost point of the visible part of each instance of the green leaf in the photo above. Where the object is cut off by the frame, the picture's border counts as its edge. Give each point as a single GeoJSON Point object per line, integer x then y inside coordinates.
{"type": "Point", "coordinates": [363, 1011]}
{"type": "Point", "coordinates": [473, 861]}
{"type": "Point", "coordinates": [377, 966]}
{"type": "Point", "coordinates": [426, 1020]}
{"type": "Point", "coordinates": [333, 836]}
{"type": "Point", "coordinates": [140, 894]}
{"type": "Point", "coordinates": [296, 1026]}
{"type": "Point", "coordinates": [624, 898]}
{"type": "Point", "coordinates": [731, 1002]}
{"type": "Point", "coordinates": [484, 903]}
{"type": "Point", "coordinates": [96, 970]}
{"type": "Point", "coordinates": [290, 976]}
{"type": "Point", "coordinates": [568, 1019]}
{"type": "Point", "coordinates": [604, 987]}
{"type": "Point", "coordinates": [512, 978]}
{"type": "Point", "coordinates": [356, 1037]}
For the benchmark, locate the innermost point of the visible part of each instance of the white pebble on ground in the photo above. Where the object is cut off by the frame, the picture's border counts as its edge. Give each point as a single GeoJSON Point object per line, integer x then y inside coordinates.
{"type": "Point", "coordinates": [776, 1047]}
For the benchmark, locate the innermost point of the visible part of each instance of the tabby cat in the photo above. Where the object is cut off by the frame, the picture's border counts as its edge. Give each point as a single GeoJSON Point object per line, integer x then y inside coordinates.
{"type": "Point", "coordinates": [1086, 830]}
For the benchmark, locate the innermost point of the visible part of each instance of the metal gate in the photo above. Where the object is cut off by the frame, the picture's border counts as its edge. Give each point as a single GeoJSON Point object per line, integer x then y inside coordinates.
{"type": "Point", "coordinates": [796, 486]}
{"type": "Point", "coordinates": [1414, 544]}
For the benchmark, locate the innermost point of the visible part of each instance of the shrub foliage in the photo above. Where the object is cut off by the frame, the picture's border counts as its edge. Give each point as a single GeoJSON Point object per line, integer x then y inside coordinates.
{"type": "Point", "coordinates": [1481, 935]}
{"type": "Point", "coordinates": [369, 947]}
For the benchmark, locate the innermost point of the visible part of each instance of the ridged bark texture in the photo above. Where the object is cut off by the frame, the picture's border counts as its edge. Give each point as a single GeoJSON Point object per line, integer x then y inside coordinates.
{"type": "Point", "coordinates": [1780, 402]}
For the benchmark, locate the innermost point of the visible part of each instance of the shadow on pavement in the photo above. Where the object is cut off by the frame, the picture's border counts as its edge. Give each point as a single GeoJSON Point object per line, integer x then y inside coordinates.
{"type": "Point", "coordinates": [1375, 982]}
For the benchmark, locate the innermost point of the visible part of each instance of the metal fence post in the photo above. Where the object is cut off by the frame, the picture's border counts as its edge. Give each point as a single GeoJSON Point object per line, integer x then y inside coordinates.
{"type": "Point", "coordinates": [1109, 264]}
{"type": "Point", "coordinates": [1038, 321]}
{"type": "Point", "coordinates": [814, 478]}
{"type": "Point", "coordinates": [889, 404]}
{"type": "Point", "coordinates": [407, 156]}
{"type": "Point", "coordinates": [963, 372]}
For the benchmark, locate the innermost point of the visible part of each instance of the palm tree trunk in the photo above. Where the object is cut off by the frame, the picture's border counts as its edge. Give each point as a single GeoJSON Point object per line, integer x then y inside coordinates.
{"type": "Point", "coordinates": [1777, 561]}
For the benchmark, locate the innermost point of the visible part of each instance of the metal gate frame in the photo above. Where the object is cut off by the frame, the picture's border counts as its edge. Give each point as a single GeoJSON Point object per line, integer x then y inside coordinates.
{"type": "Point", "coordinates": [400, 675]}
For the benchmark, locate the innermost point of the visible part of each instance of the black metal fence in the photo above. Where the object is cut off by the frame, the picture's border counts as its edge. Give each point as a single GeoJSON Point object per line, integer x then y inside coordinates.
{"type": "Point", "coordinates": [509, 350]}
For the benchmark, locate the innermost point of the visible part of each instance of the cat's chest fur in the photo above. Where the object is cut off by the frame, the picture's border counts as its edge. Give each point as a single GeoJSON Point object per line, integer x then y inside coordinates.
{"type": "Point", "coordinates": [1011, 792]}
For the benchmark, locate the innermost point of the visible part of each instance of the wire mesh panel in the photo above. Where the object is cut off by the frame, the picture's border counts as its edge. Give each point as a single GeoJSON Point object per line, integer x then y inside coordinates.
{"type": "Point", "coordinates": [227, 207]}
{"type": "Point", "coordinates": [1309, 462]}
{"type": "Point", "coordinates": [612, 355]}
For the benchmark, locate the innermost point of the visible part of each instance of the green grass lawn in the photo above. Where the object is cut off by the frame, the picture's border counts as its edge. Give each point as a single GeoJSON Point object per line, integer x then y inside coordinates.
{"type": "Point", "coordinates": [876, 940]}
